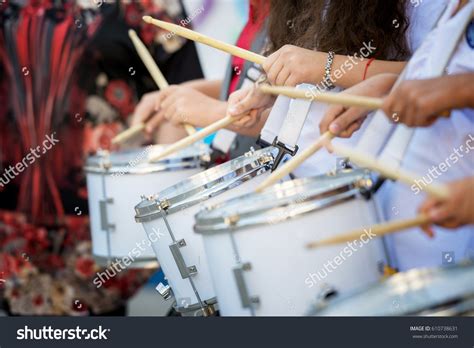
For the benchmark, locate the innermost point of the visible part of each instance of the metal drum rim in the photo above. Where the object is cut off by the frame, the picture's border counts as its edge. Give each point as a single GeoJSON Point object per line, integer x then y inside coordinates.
{"type": "Point", "coordinates": [192, 160]}
{"type": "Point", "coordinates": [327, 308]}
{"type": "Point", "coordinates": [204, 185]}
{"type": "Point", "coordinates": [284, 208]}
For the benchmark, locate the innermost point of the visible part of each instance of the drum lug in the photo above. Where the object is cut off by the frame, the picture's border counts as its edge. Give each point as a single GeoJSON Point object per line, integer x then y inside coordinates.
{"type": "Point", "coordinates": [104, 220]}
{"type": "Point", "coordinates": [164, 204]}
{"type": "Point", "coordinates": [265, 159]}
{"type": "Point", "coordinates": [246, 300]}
{"type": "Point", "coordinates": [165, 291]}
{"type": "Point", "coordinates": [186, 271]}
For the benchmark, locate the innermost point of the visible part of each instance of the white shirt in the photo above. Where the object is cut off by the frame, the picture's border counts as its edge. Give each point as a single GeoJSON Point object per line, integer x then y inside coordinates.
{"type": "Point", "coordinates": [422, 15]}
{"type": "Point", "coordinates": [430, 147]}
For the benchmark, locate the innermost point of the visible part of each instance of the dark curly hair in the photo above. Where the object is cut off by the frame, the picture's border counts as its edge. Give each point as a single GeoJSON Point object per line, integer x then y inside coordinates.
{"type": "Point", "coordinates": [341, 26]}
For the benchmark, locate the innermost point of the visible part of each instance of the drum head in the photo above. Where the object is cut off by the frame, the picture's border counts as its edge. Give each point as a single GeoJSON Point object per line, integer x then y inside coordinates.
{"type": "Point", "coordinates": [136, 161]}
{"type": "Point", "coordinates": [438, 291]}
{"type": "Point", "coordinates": [283, 201]}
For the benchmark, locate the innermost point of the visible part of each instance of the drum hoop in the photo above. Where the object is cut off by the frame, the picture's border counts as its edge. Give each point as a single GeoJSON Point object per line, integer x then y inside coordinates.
{"type": "Point", "coordinates": [287, 210]}
{"type": "Point", "coordinates": [208, 184]}
{"type": "Point", "coordinates": [199, 158]}
{"type": "Point", "coordinates": [323, 307]}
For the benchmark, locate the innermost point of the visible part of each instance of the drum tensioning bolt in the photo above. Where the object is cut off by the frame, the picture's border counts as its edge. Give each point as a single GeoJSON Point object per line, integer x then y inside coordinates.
{"type": "Point", "coordinates": [165, 204]}
{"type": "Point", "coordinates": [232, 220]}
{"type": "Point", "coordinates": [265, 159]}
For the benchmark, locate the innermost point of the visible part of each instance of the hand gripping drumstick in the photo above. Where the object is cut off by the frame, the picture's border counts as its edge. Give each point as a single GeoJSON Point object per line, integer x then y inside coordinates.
{"type": "Point", "coordinates": [367, 161]}
{"type": "Point", "coordinates": [159, 79]}
{"type": "Point", "coordinates": [295, 162]}
{"type": "Point", "coordinates": [376, 230]}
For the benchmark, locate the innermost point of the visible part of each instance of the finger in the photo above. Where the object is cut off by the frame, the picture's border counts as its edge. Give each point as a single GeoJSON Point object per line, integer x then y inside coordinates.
{"type": "Point", "coordinates": [439, 213]}
{"type": "Point", "coordinates": [246, 104]}
{"type": "Point", "coordinates": [270, 60]}
{"type": "Point", "coordinates": [331, 114]}
{"type": "Point", "coordinates": [153, 123]}
{"type": "Point", "coordinates": [428, 229]}
{"type": "Point", "coordinates": [169, 101]}
{"type": "Point", "coordinates": [235, 107]}
{"type": "Point", "coordinates": [354, 127]}
{"type": "Point", "coordinates": [282, 77]}
{"type": "Point", "coordinates": [428, 205]}
{"type": "Point", "coordinates": [388, 107]}
{"type": "Point", "coordinates": [143, 110]}
{"type": "Point", "coordinates": [274, 71]}
{"type": "Point", "coordinates": [163, 96]}
{"type": "Point", "coordinates": [169, 112]}
{"type": "Point", "coordinates": [347, 118]}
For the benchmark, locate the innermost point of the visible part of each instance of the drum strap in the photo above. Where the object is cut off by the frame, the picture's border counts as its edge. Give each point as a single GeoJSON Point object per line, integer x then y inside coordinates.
{"type": "Point", "coordinates": [284, 125]}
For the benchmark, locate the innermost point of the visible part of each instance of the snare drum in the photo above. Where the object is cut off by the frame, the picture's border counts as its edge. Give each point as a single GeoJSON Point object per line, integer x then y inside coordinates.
{"type": "Point", "coordinates": [115, 181]}
{"type": "Point", "coordinates": [447, 291]}
{"type": "Point", "coordinates": [170, 215]}
{"type": "Point", "coordinates": [255, 245]}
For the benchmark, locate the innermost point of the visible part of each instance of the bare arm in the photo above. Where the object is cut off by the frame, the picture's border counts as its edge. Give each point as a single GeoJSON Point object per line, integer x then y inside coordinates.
{"type": "Point", "coordinates": [211, 88]}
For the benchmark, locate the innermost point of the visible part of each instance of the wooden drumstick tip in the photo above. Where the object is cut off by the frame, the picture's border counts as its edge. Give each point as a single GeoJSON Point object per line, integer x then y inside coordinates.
{"type": "Point", "coordinates": [147, 19]}
{"type": "Point", "coordinates": [375, 231]}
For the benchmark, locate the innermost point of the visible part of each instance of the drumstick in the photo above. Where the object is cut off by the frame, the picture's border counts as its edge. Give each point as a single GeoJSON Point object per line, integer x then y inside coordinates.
{"type": "Point", "coordinates": [195, 36]}
{"type": "Point", "coordinates": [153, 69]}
{"type": "Point", "coordinates": [330, 98]}
{"type": "Point", "coordinates": [128, 133]}
{"type": "Point", "coordinates": [365, 160]}
{"type": "Point", "coordinates": [291, 165]}
{"type": "Point", "coordinates": [159, 79]}
{"type": "Point", "coordinates": [201, 134]}
{"type": "Point", "coordinates": [377, 230]}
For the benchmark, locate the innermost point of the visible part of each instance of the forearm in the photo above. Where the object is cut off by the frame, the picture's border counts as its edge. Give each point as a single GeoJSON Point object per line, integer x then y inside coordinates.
{"type": "Point", "coordinates": [211, 88]}
{"type": "Point", "coordinates": [465, 85]}
{"type": "Point", "coordinates": [211, 114]}
{"type": "Point", "coordinates": [349, 71]}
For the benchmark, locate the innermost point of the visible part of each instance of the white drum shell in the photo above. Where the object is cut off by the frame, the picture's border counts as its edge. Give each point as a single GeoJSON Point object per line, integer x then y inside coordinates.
{"type": "Point", "coordinates": [125, 190]}
{"type": "Point", "coordinates": [281, 265]}
{"type": "Point", "coordinates": [182, 223]}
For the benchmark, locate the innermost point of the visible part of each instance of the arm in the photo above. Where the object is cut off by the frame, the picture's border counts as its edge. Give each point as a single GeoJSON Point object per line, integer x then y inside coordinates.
{"type": "Point", "coordinates": [211, 88]}
{"type": "Point", "coordinates": [293, 65]}
{"type": "Point", "coordinates": [419, 103]}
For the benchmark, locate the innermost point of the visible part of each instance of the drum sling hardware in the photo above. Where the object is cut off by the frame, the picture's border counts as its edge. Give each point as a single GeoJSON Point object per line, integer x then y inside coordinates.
{"type": "Point", "coordinates": [245, 298]}
{"type": "Point", "coordinates": [165, 291]}
{"type": "Point", "coordinates": [104, 220]}
{"type": "Point", "coordinates": [283, 150]}
{"type": "Point", "coordinates": [105, 225]}
{"type": "Point", "coordinates": [186, 271]}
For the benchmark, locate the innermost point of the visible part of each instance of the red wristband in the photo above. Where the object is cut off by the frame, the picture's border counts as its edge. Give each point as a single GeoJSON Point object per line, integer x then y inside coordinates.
{"type": "Point", "coordinates": [367, 67]}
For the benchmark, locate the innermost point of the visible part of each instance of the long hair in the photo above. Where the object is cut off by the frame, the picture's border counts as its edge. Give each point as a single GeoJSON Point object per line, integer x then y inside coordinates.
{"type": "Point", "coordinates": [342, 26]}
